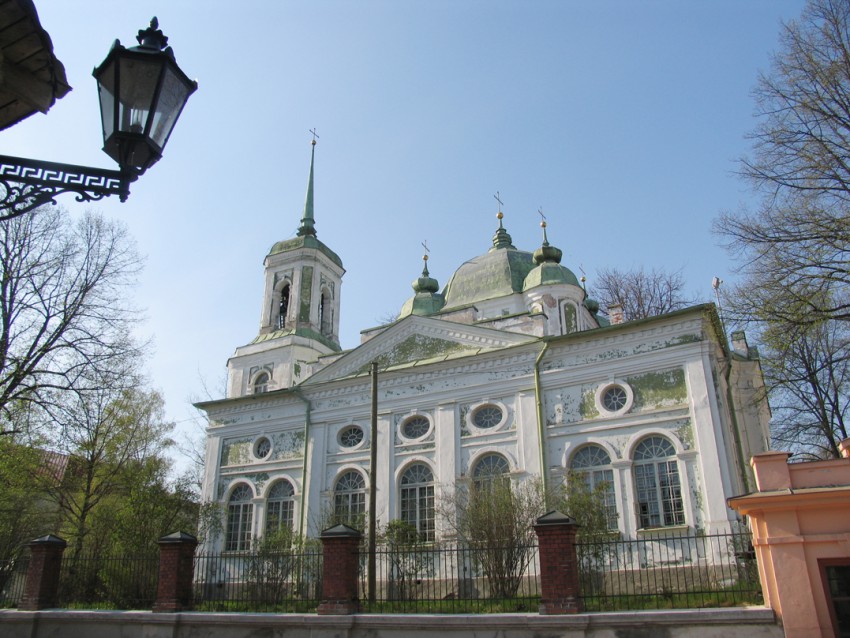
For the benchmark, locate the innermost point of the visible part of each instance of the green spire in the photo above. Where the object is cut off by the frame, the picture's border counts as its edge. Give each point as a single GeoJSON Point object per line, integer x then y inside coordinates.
{"type": "Point", "coordinates": [307, 223]}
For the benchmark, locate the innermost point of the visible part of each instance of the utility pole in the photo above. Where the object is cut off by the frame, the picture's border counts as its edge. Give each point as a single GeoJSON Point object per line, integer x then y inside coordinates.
{"type": "Point", "coordinates": [373, 467]}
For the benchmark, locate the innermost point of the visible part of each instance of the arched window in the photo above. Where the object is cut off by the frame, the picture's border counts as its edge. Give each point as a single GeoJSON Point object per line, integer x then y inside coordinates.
{"type": "Point", "coordinates": [240, 516]}
{"type": "Point", "coordinates": [491, 469]}
{"type": "Point", "coordinates": [283, 308]}
{"type": "Point", "coordinates": [417, 499]}
{"type": "Point", "coordinates": [261, 383]}
{"type": "Point", "coordinates": [659, 492]}
{"type": "Point", "coordinates": [325, 320]}
{"type": "Point", "coordinates": [592, 465]}
{"type": "Point", "coordinates": [279, 507]}
{"type": "Point", "coordinates": [350, 499]}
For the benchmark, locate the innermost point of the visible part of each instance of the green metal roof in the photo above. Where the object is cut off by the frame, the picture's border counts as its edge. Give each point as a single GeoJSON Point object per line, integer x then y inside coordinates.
{"type": "Point", "coordinates": [549, 274]}
{"type": "Point", "coordinates": [307, 241]}
{"type": "Point", "coordinates": [494, 274]}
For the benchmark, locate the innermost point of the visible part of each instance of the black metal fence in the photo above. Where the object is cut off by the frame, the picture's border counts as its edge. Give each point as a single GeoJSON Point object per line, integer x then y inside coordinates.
{"type": "Point", "coordinates": [13, 578]}
{"type": "Point", "coordinates": [654, 572]}
{"type": "Point", "coordinates": [453, 579]}
{"type": "Point", "coordinates": [667, 571]}
{"type": "Point", "coordinates": [267, 581]}
{"type": "Point", "coordinates": [91, 581]}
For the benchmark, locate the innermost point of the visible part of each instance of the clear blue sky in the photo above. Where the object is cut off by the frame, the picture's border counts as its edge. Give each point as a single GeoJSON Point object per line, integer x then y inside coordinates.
{"type": "Point", "coordinates": [621, 119]}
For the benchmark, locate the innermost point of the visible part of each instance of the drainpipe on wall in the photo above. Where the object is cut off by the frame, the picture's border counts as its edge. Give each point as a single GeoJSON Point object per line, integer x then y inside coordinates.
{"type": "Point", "coordinates": [303, 513]}
{"type": "Point", "coordinates": [733, 412]}
{"type": "Point", "coordinates": [541, 430]}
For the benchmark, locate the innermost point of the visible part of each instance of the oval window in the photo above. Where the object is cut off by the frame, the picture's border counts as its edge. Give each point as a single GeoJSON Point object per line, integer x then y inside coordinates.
{"type": "Point", "coordinates": [487, 417]}
{"type": "Point", "coordinates": [415, 427]}
{"type": "Point", "coordinates": [262, 448]}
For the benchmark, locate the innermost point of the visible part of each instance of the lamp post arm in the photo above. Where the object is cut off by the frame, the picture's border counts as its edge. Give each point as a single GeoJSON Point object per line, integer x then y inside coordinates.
{"type": "Point", "coordinates": [26, 184]}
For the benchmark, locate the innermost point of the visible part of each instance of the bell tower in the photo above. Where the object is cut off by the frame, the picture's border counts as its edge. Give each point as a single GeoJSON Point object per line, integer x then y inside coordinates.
{"type": "Point", "coordinates": [299, 321]}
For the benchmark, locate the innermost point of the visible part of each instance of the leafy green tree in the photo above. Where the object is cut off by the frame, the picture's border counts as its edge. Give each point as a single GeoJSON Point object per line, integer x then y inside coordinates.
{"type": "Point", "coordinates": [112, 434]}
{"type": "Point", "coordinates": [24, 512]}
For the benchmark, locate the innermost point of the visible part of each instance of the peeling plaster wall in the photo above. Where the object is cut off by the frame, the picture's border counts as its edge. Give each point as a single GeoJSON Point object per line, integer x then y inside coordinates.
{"type": "Point", "coordinates": [664, 364]}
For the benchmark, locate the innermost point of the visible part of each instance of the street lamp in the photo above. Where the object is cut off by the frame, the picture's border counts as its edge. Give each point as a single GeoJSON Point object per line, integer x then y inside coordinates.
{"type": "Point", "coordinates": [142, 93]}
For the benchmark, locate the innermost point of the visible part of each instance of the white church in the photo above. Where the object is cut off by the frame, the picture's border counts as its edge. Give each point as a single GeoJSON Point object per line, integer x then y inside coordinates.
{"type": "Point", "coordinates": [509, 369]}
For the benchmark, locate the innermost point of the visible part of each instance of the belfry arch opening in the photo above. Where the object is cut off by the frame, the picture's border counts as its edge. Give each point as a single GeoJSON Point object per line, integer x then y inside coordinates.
{"type": "Point", "coordinates": [283, 306]}
{"type": "Point", "coordinates": [325, 316]}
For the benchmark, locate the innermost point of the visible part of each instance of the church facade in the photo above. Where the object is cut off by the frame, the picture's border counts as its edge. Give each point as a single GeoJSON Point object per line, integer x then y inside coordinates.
{"type": "Point", "coordinates": [510, 369]}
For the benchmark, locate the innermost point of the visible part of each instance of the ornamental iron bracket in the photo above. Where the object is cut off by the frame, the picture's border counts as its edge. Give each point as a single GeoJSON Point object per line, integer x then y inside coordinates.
{"type": "Point", "coordinates": [26, 184]}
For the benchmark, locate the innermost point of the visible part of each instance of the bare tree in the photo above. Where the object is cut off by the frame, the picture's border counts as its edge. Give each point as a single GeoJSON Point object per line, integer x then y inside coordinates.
{"type": "Point", "coordinates": [641, 293]}
{"type": "Point", "coordinates": [495, 520]}
{"type": "Point", "coordinates": [798, 241]}
{"type": "Point", "coordinates": [63, 305]}
{"type": "Point", "coordinates": [807, 372]}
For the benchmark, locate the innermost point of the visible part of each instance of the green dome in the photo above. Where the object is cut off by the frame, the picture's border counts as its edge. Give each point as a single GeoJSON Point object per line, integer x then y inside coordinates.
{"type": "Point", "coordinates": [549, 273]}
{"type": "Point", "coordinates": [498, 273]}
{"type": "Point", "coordinates": [426, 301]}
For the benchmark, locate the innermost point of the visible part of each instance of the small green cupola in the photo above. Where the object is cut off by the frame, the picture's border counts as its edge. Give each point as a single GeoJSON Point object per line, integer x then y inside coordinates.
{"type": "Point", "coordinates": [549, 271]}
{"type": "Point", "coordinates": [501, 239]}
{"type": "Point", "coordinates": [426, 300]}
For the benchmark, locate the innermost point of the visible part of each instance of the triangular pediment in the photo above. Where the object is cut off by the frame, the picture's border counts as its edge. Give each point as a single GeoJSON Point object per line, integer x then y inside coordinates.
{"type": "Point", "coordinates": [416, 341]}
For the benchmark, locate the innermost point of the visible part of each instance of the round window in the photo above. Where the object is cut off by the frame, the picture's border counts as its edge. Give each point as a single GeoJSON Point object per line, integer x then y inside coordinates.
{"type": "Point", "coordinates": [614, 399]}
{"type": "Point", "coordinates": [415, 427]}
{"type": "Point", "coordinates": [262, 448]}
{"type": "Point", "coordinates": [487, 417]}
{"type": "Point", "coordinates": [352, 436]}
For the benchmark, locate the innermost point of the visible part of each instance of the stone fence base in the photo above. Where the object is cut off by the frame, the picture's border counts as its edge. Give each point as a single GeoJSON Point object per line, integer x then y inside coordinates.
{"type": "Point", "coordinates": [748, 622]}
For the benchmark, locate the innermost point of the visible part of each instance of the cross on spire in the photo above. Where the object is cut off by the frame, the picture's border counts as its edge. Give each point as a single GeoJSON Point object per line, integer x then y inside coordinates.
{"type": "Point", "coordinates": [315, 135]}
{"type": "Point", "coordinates": [498, 199]}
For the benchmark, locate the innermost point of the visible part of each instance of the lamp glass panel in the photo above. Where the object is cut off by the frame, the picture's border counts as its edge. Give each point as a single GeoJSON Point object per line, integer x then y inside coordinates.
{"type": "Point", "coordinates": [172, 98]}
{"type": "Point", "coordinates": [137, 90]}
{"type": "Point", "coordinates": [106, 90]}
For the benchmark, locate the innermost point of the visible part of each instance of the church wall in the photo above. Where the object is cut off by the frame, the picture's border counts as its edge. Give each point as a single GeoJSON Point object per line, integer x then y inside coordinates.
{"type": "Point", "coordinates": [665, 367]}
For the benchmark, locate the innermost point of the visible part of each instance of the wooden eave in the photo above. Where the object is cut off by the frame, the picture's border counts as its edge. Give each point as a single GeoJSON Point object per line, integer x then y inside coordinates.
{"type": "Point", "coordinates": [31, 78]}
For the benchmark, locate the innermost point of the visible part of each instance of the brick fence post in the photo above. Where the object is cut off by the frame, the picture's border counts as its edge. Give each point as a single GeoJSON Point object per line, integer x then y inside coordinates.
{"type": "Point", "coordinates": [42, 587]}
{"type": "Point", "coordinates": [559, 575]}
{"type": "Point", "coordinates": [340, 562]}
{"type": "Point", "coordinates": [176, 572]}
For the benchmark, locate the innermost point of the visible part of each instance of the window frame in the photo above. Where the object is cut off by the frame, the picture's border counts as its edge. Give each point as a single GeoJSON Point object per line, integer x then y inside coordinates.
{"type": "Point", "coordinates": [349, 504]}
{"type": "Point", "coordinates": [417, 500]}
{"type": "Point", "coordinates": [593, 474]}
{"type": "Point", "coordinates": [482, 481]}
{"type": "Point", "coordinates": [239, 524]}
{"type": "Point", "coordinates": [258, 386]}
{"type": "Point", "coordinates": [285, 503]}
{"type": "Point", "coordinates": [659, 493]}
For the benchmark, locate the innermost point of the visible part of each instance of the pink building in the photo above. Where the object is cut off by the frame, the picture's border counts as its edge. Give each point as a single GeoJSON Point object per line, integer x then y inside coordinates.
{"type": "Point", "coordinates": [800, 517]}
